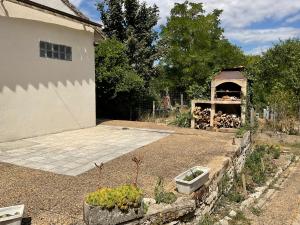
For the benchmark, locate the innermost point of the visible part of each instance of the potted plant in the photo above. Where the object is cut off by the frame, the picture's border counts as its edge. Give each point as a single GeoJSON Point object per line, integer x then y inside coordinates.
{"type": "Point", "coordinates": [11, 215]}
{"type": "Point", "coordinates": [110, 206]}
{"type": "Point", "coordinates": [192, 179]}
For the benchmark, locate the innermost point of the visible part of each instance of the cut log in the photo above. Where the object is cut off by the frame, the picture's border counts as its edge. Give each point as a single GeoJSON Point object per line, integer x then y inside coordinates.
{"type": "Point", "coordinates": [202, 118]}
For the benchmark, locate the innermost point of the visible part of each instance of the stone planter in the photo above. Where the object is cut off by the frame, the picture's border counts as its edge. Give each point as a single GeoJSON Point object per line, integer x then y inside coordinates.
{"type": "Point", "coordinates": [11, 215]}
{"type": "Point", "coordinates": [187, 187]}
{"type": "Point", "coordinates": [94, 215]}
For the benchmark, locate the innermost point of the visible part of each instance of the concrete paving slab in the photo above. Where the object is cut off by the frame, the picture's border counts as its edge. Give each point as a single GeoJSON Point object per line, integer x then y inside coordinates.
{"type": "Point", "coordinates": [75, 152]}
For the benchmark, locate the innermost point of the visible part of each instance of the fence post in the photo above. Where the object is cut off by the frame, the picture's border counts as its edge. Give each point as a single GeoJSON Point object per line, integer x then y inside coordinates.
{"type": "Point", "coordinates": [181, 100]}
{"type": "Point", "coordinates": [153, 109]}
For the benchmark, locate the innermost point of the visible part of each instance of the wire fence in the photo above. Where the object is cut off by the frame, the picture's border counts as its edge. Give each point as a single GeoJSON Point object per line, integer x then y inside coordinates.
{"type": "Point", "coordinates": [162, 107]}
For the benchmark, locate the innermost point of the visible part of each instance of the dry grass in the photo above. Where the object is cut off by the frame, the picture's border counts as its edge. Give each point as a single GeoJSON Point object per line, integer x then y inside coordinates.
{"type": "Point", "coordinates": [46, 193]}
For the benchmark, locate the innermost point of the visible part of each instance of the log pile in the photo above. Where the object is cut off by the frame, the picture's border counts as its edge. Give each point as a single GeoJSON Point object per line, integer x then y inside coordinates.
{"type": "Point", "coordinates": [202, 117]}
{"type": "Point", "coordinates": [222, 120]}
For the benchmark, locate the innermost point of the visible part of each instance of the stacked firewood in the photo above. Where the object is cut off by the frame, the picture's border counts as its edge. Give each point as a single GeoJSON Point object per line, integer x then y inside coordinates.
{"type": "Point", "coordinates": [222, 120]}
{"type": "Point", "coordinates": [202, 117]}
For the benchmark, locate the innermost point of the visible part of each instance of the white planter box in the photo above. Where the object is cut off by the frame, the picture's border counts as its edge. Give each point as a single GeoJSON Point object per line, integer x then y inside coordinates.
{"type": "Point", "coordinates": [187, 187]}
{"type": "Point", "coordinates": [15, 214]}
{"type": "Point", "coordinates": [94, 215]}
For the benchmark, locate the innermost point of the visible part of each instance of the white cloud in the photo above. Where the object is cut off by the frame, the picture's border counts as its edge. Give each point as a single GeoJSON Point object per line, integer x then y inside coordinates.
{"type": "Point", "coordinates": [239, 13]}
{"type": "Point", "coordinates": [293, 19]}
{"type": "Point", "coordinates": [76, 2]}
{"type": "Point", "coordinates": [262, 35]}
{"type": "Point", "coordinates": [258, 50]}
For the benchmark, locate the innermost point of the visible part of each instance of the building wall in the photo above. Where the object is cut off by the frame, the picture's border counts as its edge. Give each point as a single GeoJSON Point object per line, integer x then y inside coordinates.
{"type": "Point", "coordinates": [39, 95]}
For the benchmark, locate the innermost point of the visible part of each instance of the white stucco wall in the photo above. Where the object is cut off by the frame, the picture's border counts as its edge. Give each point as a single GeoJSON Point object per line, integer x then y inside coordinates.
{"type": "Point", "coordinates": [38, 95]}
{"type": "Point", "coordinates": [55, 4]}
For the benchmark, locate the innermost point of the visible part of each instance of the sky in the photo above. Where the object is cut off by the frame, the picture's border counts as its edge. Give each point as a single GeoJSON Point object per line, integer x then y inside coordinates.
{"type": "Point", "coordinates": [253, 25]}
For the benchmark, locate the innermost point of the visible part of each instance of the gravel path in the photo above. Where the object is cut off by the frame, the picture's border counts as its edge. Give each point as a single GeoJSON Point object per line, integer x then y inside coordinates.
{"type": "Point", "coordinates": [57, 199]}
{"type": "Point", "coordinates": [284, 207]}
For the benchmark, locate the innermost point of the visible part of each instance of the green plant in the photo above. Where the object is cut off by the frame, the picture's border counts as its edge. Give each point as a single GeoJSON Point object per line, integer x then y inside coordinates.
{"type": "Point", "coordinates": [193, 175]}
{"type": "Point", "coordinates": [183, 119]}
{"type": "Point", "coordinates": [254, 165]}
{"type": "Point", "coordinates": [224, 185]}
{"type": "Point", "coordinates": [240, 132]}
{"type": "Point", "coordinates": [161, 196]}
{"type": "Point", "coordinates": [235, 196]}
{"type": "Point", "coordinates": [240, 219]}
{"type": "Point", "coordinates": [145, 207]}
{"type": "Point", "coordinates": [123, 197]}
{"type": "Point", "coordinates": [207, 220]}
{"type": "Point", "coordinates": [256, 211]}
{"type": "Point", "coordinates": [275, 151]}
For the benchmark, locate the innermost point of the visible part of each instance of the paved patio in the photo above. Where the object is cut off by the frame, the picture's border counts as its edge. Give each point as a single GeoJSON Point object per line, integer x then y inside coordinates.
{"type": "Point", "coordinates": [75, 152]}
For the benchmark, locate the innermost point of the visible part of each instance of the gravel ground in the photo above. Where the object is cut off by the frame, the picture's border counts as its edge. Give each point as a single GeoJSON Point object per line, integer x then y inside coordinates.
{"type": "Point", "coordinates": [57, 199]}
{"type": "Point", "coordinates": [284, 207]}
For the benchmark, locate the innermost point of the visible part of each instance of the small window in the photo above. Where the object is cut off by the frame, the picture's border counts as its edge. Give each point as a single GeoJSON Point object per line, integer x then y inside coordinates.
{"type": "Point", "coordinates": [55, 51]}
{"type": "Point", "coordinates": [42, 49]}
{"type": "Point", "coordinates": [62, 52]}
{"type": "Point", "coordinates": [69, 53]}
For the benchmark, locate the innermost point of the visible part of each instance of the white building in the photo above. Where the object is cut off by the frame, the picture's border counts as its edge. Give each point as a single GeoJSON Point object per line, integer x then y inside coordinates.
{"type": "Point", "coordinates": [47, 74]}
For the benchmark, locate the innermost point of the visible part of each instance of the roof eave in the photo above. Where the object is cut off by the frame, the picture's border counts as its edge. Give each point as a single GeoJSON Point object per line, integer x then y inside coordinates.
{"type": "Point", "coordinates": [82, 19]}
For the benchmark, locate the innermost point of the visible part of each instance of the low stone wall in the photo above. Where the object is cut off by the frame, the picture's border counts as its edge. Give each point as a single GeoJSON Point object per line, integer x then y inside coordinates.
{"type": "Point", "coordinates": [203, 200]}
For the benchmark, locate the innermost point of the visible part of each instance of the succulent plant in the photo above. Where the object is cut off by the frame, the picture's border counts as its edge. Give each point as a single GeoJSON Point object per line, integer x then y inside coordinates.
{"type": "Point", "coordinates": [123, 197]}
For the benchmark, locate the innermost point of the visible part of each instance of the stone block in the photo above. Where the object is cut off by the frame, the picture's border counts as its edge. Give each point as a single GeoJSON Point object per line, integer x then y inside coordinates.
{"type": "Point", "coordinates": [94, 215]}
{"type": "Point", "coordinates": [232, 213]}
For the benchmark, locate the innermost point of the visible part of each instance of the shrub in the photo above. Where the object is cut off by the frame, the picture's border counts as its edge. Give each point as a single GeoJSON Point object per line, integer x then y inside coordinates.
{"type": "Point", "coordinates": [207, 220]}
{"type": "Point", "coordinates": [161, 196]}
{"type": "Point", "coordinates": [123, 197]}
{"type": "Point", "coordinates": [240, 132]}
{"type": "Point", "coordinates": [183, 119]}
{"type": "Point", "coordinates": [275, 151]}
{"type": "Point", "coordinates": [254, 166]}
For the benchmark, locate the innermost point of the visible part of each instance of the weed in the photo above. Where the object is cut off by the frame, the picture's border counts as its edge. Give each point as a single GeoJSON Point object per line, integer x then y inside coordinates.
{"type": "Point", "coordinates": [240, 219]}
{"type": "Point", "coordinates": [193, 175]}
{"type": "Point", "coordinates": [275, 151]}
{"type": "Point", "coordinates": [138, 161]}
{"type": "Point", "coordinates": [145, 207]}
{"type": "Point", "coordinates": [256, 211]}
{"type": "Point", "coordinates": [182, 119]}
{"type": "Point", "coordinates": [161, 196]}
{"type": "Point", "coordinates": [224, 185]}
{"type": "Point", "coordinates": [99, 168]}
{"type": "Point", "coordinates": [241, 131]}
{"type": "Point", "coordinates": [207, 220]}
{"type": "Point", "coordinates": [235, 196]}
{"type": "Point", "coordinates": [254, 165]}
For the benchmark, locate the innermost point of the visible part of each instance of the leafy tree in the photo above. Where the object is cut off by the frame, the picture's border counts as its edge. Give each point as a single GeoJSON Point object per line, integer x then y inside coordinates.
{"type": "Point", "coordinates": [194, 47]}
{"type": "Point", "coordinates": [112, 17]}
{"type": "Point", "coordinates": [278, 71]}
{"type": "Point", "coordinates": [276, 83]}
{"type": "Point", "coordinates": [114, 76]}
{"type": "Point", "coordinates": [133, 24]}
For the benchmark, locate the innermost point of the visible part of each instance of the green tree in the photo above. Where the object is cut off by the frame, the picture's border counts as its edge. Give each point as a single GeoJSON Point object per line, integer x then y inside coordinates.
{"type": "Point", "coordinates": [194, 47]}
{"type": "Point", "coordinates": [276, 83]}
{"type": "Point", "coordinates": [133, 24]}
{"type": "Point", "coordinates": [278, 71]}
{"type": "Point", "coordinates": [114, 75]}
{"type": "Point", "coordinates": [112, 17]}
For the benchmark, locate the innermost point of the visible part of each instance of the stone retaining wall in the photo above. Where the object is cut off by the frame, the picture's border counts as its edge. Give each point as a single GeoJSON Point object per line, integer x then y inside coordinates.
{"type": "Point", "coordinates": [203, 200]}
